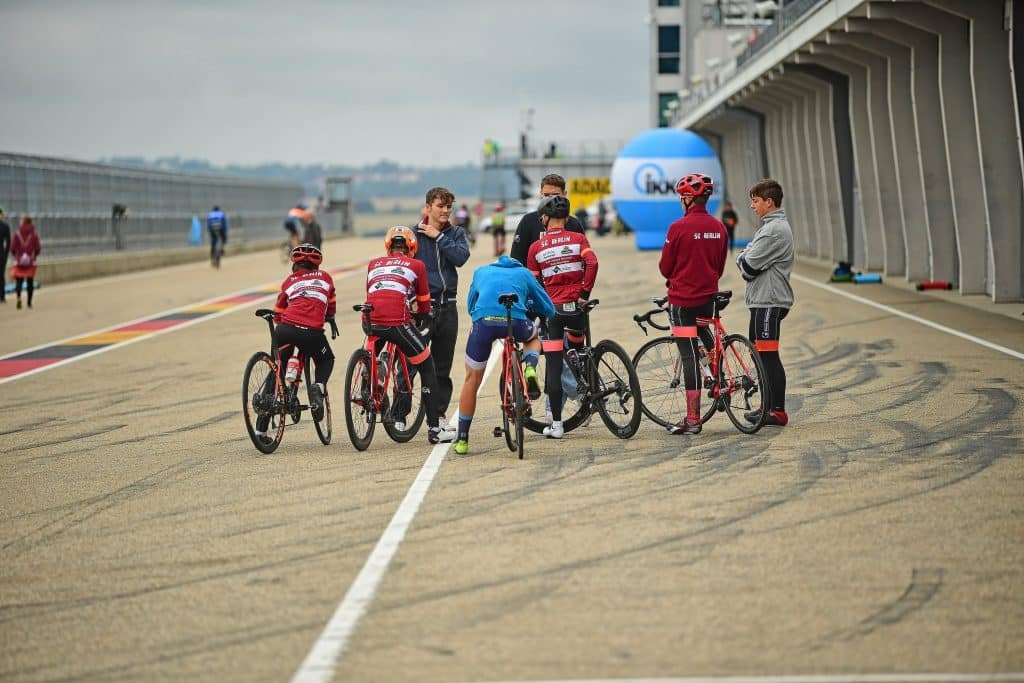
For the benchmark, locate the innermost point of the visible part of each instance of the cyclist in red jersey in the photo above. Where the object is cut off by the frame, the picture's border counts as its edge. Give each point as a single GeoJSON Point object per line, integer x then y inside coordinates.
{"type": "Point", "coordinates": [391, 281]}
{"type": "Point", "coordinates": [306, 302]}
{"type": "Point", "coordinates": [566, 266]}
{"type": "Point", "coordinates": [692, 261]}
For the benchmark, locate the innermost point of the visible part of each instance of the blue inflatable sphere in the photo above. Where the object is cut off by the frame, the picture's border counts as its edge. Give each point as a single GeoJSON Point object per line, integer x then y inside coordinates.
{"type": "Point", "coordinates": [644, 180]}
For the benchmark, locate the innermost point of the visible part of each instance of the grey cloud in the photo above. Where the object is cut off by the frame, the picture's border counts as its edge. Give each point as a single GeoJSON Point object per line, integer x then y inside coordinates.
{"type": "Point", "coordinates": [343, 82]}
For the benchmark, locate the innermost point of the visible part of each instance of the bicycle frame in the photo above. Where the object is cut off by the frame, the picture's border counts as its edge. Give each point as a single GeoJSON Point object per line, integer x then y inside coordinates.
{"type": "Point", "coordinates": [720, 387]}
{"type": "Point", "coordinates": [396, 360]}
{"type": "Point", "coordinates": [510, 354]}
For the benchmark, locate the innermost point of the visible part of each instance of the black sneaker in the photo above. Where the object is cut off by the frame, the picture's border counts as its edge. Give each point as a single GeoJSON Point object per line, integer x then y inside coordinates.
{"type": "Point", "coordinates": [316, 402]}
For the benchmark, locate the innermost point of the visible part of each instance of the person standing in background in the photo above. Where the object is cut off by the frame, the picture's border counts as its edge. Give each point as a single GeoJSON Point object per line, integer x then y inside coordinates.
{"type": "Point", "coordinates": [25, 248]}
{"type": "Point", "coordinates": [766, 264]}
{"type": "Point", "coordinates": [314, 234]}
{"type": "Point", "coordinates": [729, 219]}
{"type": "Point", "coordinates": [442, 248]}
{"type": "Point", "coordinates": [5, 245]}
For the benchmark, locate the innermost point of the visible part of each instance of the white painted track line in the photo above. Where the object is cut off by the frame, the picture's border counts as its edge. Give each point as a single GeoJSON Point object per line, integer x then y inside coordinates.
{"type": "Point", "coordinates": [895, 311]}
{"type": "Point", "coordinates": [827, 678]}
{"type": "Point", "coordinates": [322, 661]}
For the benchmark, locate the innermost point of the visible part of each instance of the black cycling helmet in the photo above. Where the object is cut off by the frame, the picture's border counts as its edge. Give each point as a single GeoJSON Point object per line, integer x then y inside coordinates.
{"type": "Point", "coordinates": [555, 206]}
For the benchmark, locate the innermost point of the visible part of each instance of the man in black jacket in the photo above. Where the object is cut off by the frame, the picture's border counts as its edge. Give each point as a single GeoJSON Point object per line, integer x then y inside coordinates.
{"type": "Point", "coordinates": [5, 246]}
{"type": "Point", "coordinates": [442, 248]}
{"type": "Point", "coordinates": [530, 227]}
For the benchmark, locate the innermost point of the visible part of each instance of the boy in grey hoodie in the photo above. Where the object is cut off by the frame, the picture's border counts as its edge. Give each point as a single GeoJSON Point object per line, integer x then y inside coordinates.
{"type": "Point", "coordinates": [766, 265]}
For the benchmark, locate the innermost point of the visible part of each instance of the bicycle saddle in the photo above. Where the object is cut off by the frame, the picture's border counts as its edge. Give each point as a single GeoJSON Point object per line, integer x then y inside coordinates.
{"type": "Point", "coordinates": [508, 299]}
{"type": "Point", "coordinates": [363, 308]}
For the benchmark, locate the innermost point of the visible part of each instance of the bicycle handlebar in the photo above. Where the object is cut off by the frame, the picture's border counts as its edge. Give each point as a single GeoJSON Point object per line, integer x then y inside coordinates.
{"type": "Point", "coordinates": [646, 318]}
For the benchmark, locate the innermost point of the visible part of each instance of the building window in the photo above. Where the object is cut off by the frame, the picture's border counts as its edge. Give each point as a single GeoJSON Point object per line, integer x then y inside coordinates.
{"type": "Point", "coordinates": [664, 99]}
{"type": "Point", "coordinates": [668, 49]}
{"type": "Point", "coordinates": [668, 3]}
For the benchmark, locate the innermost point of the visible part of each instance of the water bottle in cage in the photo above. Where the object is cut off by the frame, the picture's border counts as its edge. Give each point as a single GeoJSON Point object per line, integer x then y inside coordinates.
{"type": "Point", "coordinates": [292, 373]}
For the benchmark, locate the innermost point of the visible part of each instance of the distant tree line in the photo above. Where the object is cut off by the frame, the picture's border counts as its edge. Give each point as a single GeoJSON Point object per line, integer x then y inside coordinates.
{"type": "Point", "coordinates": [382, 179]}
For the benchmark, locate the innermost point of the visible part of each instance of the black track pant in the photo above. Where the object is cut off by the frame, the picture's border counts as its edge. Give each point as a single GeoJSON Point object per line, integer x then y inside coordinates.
{"type": "Point", "coordinates": [765, 330]}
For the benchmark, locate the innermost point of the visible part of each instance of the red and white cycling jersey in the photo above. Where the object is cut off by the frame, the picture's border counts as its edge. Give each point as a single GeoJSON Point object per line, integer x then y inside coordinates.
{"type": "Point", "coordinates": [390, 282]}
{"type": "Point", "coordinates": [564, 263]}
{"type": "Point", "coordinates": [307, 297]}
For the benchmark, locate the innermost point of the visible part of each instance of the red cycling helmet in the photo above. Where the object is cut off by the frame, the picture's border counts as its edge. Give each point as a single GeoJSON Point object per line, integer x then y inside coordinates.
{"type": "Point", "coordinates": [307, 252]}
{"type": "Point", "coordinates": [695, 185]}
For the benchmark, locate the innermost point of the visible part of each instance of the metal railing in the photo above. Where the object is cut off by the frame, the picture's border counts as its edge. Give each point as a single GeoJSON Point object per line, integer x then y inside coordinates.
{"type": "Point", "coordinates": [72, 204]}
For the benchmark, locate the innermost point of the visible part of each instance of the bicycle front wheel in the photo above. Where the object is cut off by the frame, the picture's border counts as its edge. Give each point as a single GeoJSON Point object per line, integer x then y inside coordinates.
{"type": "Point", "coordinates": [742, 382]}
{"type": "Point", "coordinates": [323, 424]}
{"type": "Point", "coordinates": [360, 415]}
{"type": "Point", "coordinates": [659, 369]}
{"type": "Point", "coordinates": [405, 404]}
{"type": "Point", "coordinates": [616, 392]}
{"type": "Point", "coordinates": [263, 404]}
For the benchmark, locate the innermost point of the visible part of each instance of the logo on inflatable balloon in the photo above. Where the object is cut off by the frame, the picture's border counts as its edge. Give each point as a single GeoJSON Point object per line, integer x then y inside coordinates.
{"type": "Point", "coordinates": [644, 180]}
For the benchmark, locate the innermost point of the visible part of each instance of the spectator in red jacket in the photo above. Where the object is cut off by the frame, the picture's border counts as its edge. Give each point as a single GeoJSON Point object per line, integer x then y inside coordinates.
{"type": "Point", "coordinates": [692, 261]}
{"type": "Point", "coordinates": [25, 248]}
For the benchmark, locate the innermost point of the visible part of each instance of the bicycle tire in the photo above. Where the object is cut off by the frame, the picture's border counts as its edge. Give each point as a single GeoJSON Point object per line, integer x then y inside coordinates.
{"type": "Point", "coordinates": [622, 416]}
{"type": "Point", "coordinates": [323, 426]}
{"type": "Point", "coordinates": [519, 402]}
{"type": "Point", "coordinates": [399, 396]}
{"type": "Point", "coordinates": [256, 403]}
{"type": "Point", "coordinates": [360, 414]}
{"type": "Point", "coordinates": [659, 370]}
{"type": "Point", "coordinates": [569, 422]}
{"type": "Point", "coordinates": [739, 360]}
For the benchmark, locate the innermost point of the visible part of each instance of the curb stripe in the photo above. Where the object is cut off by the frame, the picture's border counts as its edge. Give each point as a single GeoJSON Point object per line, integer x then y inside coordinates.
{"type": "Point", "coordinates": [46, 356]}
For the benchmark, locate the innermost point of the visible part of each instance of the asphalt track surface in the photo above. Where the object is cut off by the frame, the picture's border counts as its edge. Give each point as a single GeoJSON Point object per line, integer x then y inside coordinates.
{"type": "Point", "coordinates": [142, 537]}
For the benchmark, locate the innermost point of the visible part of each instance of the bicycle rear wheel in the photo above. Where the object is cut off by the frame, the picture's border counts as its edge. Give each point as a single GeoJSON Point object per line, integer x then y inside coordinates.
{"type": "Point", "coordinates": [323, 425]}
{"type": "Point", "coordinates": [513, 407]}
{"type": "Point", "coordinates": [360, 415]}
{"type": "Point", "coordinates": [576, 409]}
{"type": "Point", "coordinates": [616, 392]}
{"type": "Point", "coordinates": [263, 404]}
{"type": "Point", "coordinates": [405, 403]}
{"type": "Point", "coordinates": [742, 379]}
{"type": "Point", "coordinates": [659, 369]}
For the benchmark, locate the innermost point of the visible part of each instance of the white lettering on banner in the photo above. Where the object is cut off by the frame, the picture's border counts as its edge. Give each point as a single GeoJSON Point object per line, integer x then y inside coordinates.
{"type": "Point", "coordinates": [654, 179]}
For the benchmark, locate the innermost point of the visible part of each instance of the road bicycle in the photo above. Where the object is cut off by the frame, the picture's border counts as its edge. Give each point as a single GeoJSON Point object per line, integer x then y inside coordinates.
{"type": "Point", "coordinates": [606, 383]}
{"type": "Point", "coordinates": [265, 395]}
{"type": "Point", "coordinates": [380, 382]}
{"type": "Point", "coordinates": [731, 372]}
{"type": "Point", "coordinates": [515, 401]}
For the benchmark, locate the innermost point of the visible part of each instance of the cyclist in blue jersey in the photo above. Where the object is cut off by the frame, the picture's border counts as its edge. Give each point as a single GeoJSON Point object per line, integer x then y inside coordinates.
{"type": "Point", "coordinates": [504, 276]}
{"type": "Point", "coordinates": [217, 226]}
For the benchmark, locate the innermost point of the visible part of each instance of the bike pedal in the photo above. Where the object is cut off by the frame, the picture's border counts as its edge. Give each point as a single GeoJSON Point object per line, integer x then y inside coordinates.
{"type": "Point", "coordinates": [498, 432]}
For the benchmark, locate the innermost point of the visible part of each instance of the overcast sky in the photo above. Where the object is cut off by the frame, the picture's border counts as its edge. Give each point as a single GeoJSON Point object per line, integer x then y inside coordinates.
{"type": "Point", "coordinates": [337, 81]}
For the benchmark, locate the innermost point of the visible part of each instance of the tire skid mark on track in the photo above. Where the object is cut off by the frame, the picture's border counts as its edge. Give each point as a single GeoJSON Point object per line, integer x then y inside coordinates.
{"type": "Point", "coordinates": [174, 652]}
{"type": "Point", "coordinates": [73, 437]}
{"type": "Point", "coordinates": [812, 471]}
{"type": "Point", "coordinates": [924, 585]}
{"type": "Point", "coordinates": [90, 507]}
